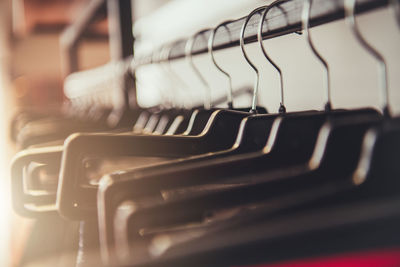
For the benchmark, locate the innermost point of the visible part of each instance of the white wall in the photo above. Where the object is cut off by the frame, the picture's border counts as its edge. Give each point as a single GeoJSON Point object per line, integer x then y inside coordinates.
{"type": "Point", "coordinates": [354, 73]}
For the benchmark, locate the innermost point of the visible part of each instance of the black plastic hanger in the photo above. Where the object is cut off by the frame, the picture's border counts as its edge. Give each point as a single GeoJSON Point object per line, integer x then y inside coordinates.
{"type": "Point", "coordinates": [48, 129]}
{"type": "Point", "coordinates": [198, 121]}
{"type": "Point", "coordinates": [371, 199]}
{"type": "Point", "coordinates": [219, 134]}
{"type": "Point", "coordinates": [338, 161]}
{"type": "Point", "coordinates": [160, 121]}
{"type": "Point", "coordinates": [210, 137]}
{"type": "Point", "coordinates": [141, 116]}
{"type": "Point", "coordinates": [335, 156]}
{"type": "Point", "coordinates": [209, 172]}
{"type": "Point", "coordinates": [293, 137]}
{"type": "Point", "coordinates": [380, 149]}
{"type": "Point", "coordinates": [373, 181]}
{"type": "Point", "coordinates": [346, 228]}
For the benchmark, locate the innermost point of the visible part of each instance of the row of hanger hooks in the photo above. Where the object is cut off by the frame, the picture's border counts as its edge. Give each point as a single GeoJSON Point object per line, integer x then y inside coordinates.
{"type": "Point", "coordinates": [350, 18]}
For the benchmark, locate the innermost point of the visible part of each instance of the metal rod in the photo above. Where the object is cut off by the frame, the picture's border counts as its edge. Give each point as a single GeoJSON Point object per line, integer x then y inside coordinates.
{"type": "Point", "coordinates": [324, 11]}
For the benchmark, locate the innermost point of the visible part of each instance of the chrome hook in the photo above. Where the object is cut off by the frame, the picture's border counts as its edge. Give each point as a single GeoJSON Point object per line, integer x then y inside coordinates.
{"type": "Point", "coordinates": [257, 81]}
{"type": "Point", "coordinates": [168, 68]}
{"type": "Point", "coordinates": [210, 50]}
{"type": "Point", "coordinates": [349, 8]}
{"type": "Point", "coordinates": [189, 56]}
{"type": "Point", "coordinates": [305, 19]}
{"type": "Point", "coordinates": [282, 108]}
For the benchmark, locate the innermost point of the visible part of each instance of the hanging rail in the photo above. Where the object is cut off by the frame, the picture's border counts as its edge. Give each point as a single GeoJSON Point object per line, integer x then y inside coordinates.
{"type": "Point", "coordinates": [280, 21]}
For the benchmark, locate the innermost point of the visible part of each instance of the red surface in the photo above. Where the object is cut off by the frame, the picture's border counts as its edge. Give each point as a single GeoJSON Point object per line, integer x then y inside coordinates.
{"type": "Point", "coordinates": [374, 258]}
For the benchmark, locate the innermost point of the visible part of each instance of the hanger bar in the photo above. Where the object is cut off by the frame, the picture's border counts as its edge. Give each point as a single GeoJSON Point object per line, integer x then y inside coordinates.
{"type": "Point", "coordinates": [280, 21]}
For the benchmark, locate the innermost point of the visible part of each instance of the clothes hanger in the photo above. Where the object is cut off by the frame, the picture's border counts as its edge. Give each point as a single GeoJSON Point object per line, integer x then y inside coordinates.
{"type": "Point", "coordinates": [88, 233]}
{"type": "Point", "coordinates": [188, 171]}
{"type": "Point", "coordinates": [377, 164]}
{"type": "Point", "coordinates": [145, 116]}
{"type": "Point", "coordinates": [361, 211]}
{"type": "Point", "coordinates": [229, 92]}
{"type": "Point", "coordinates": [175, 129]}
{"type": "Point", "coordinates": [49, 129]}
{"type": "Point", "coordinates": [159, 117]}
{"type": "Point", "coordinates": [181, 121]}
{"type": "Point", "coordinates": [365, 204]}
{"type": "Point", "coordinates": [202, 116]}
{"type": "Point", "coordinates": [360, 128]}
{"type": "Point", "coordinates": [51, 160]}
{"type": "Point", "coordinates": [345, 228]}
{"type": "Point", "coordinates": [199, 117]}
{"type": "Point", "coordinates": [192, 205]}
{"type": "Point", "coordinates": [229, 88]}
{"type": "Point", "coordinates": [213, 129]}
{"type": "Point", "coordinates": [327, 83]}
{"type": "Point", "coordinates": [250, 137]}
{"type": "Point", "coordinates": [33, 172]}
{"type": "Point", "coordinates": [336, 162]}
{"type": "Point", "coordinates": [41, 179]}
{"type": "Point", "coordinates": [376, 171]}
{"type": "Point", "coordinates": [313, 121]}
{"type": "Point", "coordinates": [245, 123]}
{"type": "Point", "coordinates": [383, 168]}
{"type": "Point", "coordinates": [24, 158]}
{"type": "Point", "coordinates": [210, 46]}
{"type": "Point", "coordinates": [175, 116]}
{"type": "Point", "coordinates": [317, 216]}
{"type": "Point", "coordinates": [217, 135]}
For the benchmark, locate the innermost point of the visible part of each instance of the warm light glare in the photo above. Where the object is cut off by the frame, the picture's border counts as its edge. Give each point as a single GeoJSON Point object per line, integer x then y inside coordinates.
{"type": "Point", "coordinates": [5, 205]}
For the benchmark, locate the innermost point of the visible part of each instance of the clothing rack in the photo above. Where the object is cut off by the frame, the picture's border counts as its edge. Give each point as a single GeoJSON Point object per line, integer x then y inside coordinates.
{"type": "Point", "coordinates": [168, 185]}
{"type": "Point", "coordinates": [279, 21]}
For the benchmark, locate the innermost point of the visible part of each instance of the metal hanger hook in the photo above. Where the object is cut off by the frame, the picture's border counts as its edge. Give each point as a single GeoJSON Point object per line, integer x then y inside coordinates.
{"type": "Point", "coordinates": [305, 19]}
{"type": "Point", "coordinates": [257, 81]}
{"type": "Point", "coordinates": [282, 108]}
{"type": "Point", "coordinates": [349, 8]}
{"type": "Point", "coordinates": [189, 55]}
{"type": "Point", "coordinates": [173, 75]}
{"type": "Point", "coordinates": [210, 51]}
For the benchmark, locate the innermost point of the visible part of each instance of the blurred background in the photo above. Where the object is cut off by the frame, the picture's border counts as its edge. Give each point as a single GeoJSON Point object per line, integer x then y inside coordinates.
{"type": "Point", "coordinates": [34, 67]}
